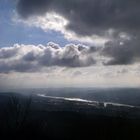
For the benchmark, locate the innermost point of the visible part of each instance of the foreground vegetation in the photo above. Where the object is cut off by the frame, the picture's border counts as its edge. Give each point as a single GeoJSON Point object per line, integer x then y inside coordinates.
{"type": "Point", "coordinates": [22, 118]}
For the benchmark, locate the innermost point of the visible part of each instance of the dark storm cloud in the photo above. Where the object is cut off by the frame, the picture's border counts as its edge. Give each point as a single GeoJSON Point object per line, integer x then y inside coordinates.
{"type": "Point", "coordinates": [122, 53]}
{"type": "Point", "coordinates": [32, 7]}
{"type": "Point", "coordinates": [87, 17]}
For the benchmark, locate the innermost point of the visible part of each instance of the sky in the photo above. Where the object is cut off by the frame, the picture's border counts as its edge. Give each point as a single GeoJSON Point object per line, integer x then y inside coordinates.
{"type": "Point", "coordinates": [69, 43]}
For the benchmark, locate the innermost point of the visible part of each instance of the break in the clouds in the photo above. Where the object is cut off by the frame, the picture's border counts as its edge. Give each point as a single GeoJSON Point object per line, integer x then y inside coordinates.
{"type": "Point", "coordinates": [88, 17]}
{"type": "Point", "coordinates": [122, 53]}
{"type": "Point", "coordinates": [31, 58]}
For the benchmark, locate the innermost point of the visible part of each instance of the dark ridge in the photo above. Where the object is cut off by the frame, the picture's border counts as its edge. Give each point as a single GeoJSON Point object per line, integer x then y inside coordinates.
{"type": "Point", "coordinates": [25, 117]}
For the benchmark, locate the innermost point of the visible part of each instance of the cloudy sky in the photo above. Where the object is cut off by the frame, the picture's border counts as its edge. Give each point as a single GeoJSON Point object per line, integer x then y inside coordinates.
{"type": "Point", "coordinates": [55, 43]}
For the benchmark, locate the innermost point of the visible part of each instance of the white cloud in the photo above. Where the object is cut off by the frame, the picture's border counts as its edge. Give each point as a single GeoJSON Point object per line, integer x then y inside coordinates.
{"type": "Point", "coordinates": [31, 58]}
